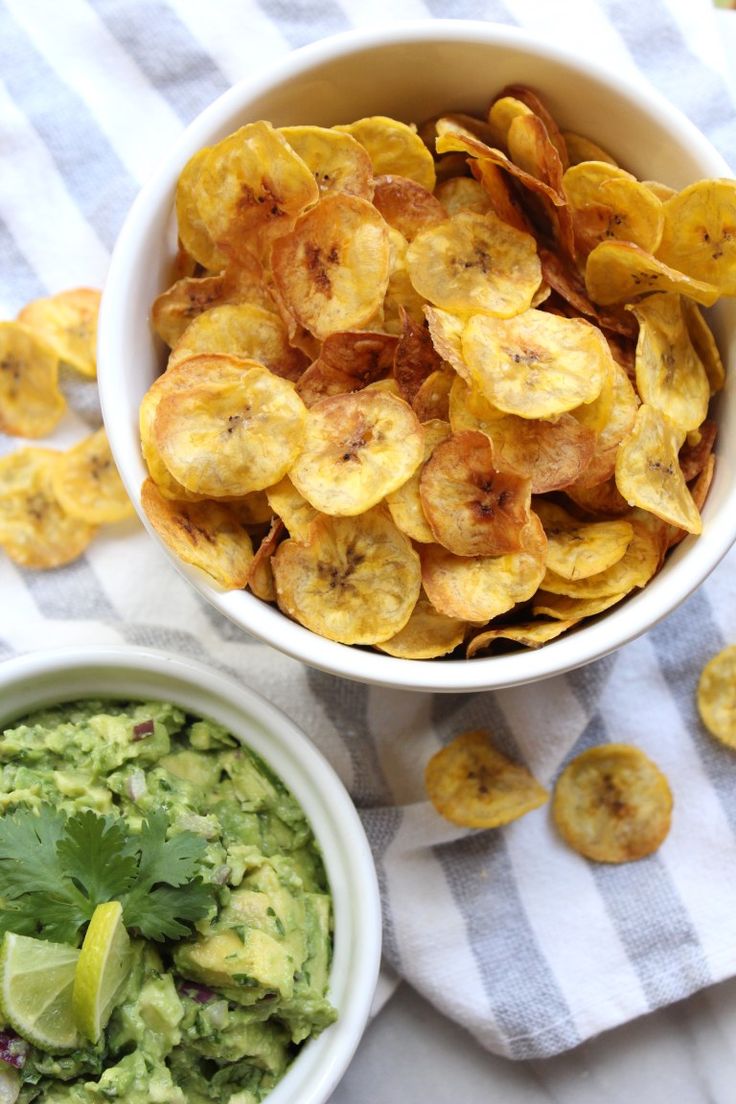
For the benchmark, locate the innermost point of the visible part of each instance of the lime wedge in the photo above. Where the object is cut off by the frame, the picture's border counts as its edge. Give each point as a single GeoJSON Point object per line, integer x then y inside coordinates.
{"type": "Point", "coordinates": [36, 983]}
{"type": "Point", "coordinates": [101, 971]}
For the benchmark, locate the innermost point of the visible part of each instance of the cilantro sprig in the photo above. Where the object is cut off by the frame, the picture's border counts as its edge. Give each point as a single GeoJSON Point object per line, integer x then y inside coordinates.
{"type": "Point", "coordinates": [55, 870]}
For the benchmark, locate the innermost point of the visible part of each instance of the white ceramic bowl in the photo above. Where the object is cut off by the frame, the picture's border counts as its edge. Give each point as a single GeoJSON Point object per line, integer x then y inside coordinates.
{"type": "Point", "coordinates": [46, 678]}
{"type": "Point", "coordinates": [413, 71]}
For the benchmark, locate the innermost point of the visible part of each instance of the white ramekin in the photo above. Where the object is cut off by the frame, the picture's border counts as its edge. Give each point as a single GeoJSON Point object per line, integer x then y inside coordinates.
{"type": "Point", "coordinates": [46, 678]}
{"type": "Point", "coordinates": [412, 71]}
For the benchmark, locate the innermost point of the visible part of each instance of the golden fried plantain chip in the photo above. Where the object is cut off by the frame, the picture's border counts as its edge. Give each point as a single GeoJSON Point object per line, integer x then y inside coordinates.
{"type": "Point", "coordinates": [704, 343]}
{"type": "Point", "coordinates": [426, 635]}
{"type": "Point", "coordinates": [250, 187]}
{"type": "Point", "coordinates": [242, 330]}
{"type": "Point", "coordinates": [694, 454]}
{"type": "Point", "coordinates": [230, 435]}
{"type": "Point", "coordinates": [87, 485]}
{"type": "Point", "coordinates": [552, 454]}
{"type": "Point", "coordinates": [405, 504]}
{"type": "Point", "coordinates": [531, 634]}
{"type": "Point", "coordinates": [193, 233]}
{"type": "Point", "coordinates": [332, 270]}
{"type": "Point", "coordinates": [19, 469]}
{"type": "Point", "coordinates": [432, 400]}
{"type": "Point", "coordinates": [580, 148]}
{"type": "Point", "coordinates": [35, 530]}
{"type": "Point", "coordinates": [31, 403]}
{"type": "Point", "coordinates": [717, 696]}
{"type": "Point", "coordinates": [472, 784]}
{"type": "Point", "coordinates": [446, 331]}
{"type": "Point", "coordinates": [636, 567]}
{"type": "Point", "coordinates": [212, 536]}
{"type": "Point", "coordinates": [175, 308]}
{"type": "Point", "coordinates": [648, 472]}
{"type": "Point", "coordinates": [578, 549]}
{"type": "Point", "coordinates": [475, 262]}
{"type": "Point", "coordinates": [669, 373]}
{"type": "Point", "coordinates": [159, 473]}
{"type": "Point", "coordinates": [536, 365]}
{"type": "Point", "coordinates": [619, 272]}
{"type": "Point", "coordinates": [608, 202]}
{"type": "Point", "coordinates": [598, 499]}
{"type": "Point", "coordinates": [463, 193]}
{"type": "Point", "coordinates": [481, 588]}
{"type": "Point", "coordinates": [351, 579]}
{"type": "Point", "coordinates": [260, 574]}
{"type": "Point", "coordinates": [472, 507]}
{"type": "Point", "coordinates": [296, 513]}
{"type": "Point", "coordinates": [611, 416]}
{"type": "Point", "coordinates": [565, 279]}
{"type": "Point", "coordinates": [502, 113]}
{"type": "Point", "coordinates": [523, 94]}
{"type": "Point", "coordinates": [564, 608]}
{"type": "Point", "coordinates": [498, 187]}
{"type": "Point", "coordinates": [406, 205]}
{"type": "Point", "coordinates": [612, 804]}
{"type": "Point", "coordinates": [699, 236]}
{"type": "Point", "coordinates": [394, 149]}
{"type": "Point", "coordinates": [347, 362]}
{"type": "Point", "coordinates": [701, 484]}
{"type": "Point", "coordinates": [337, 162]}
{"type": "Point", "coordinates": [67, 322]}
{"type": "Point", "coordinates": [357, 449]}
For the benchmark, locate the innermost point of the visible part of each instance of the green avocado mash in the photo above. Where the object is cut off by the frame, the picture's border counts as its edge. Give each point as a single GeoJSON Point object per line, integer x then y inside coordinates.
{"type": "Point", "coordinates": [219, 1015]}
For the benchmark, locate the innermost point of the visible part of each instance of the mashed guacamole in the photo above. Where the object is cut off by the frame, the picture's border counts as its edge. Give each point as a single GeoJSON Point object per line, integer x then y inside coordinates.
{"type": "Point", "coordinates": [217, 1016]}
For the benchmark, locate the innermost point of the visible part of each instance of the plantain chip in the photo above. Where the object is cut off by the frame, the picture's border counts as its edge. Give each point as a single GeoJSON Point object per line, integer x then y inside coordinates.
{"type": "Point", "coordinates": [193, 233]}
{"type": "Point", "coordinates": [415, 357]}
{"type": "Point", "coordinates": [696, 451]}
{"type": "Point", "coordinates": [67, 322]}
{"type": "Point", "coordinates": [432, 400]}
{"type": "Point", "coordinates": [602, 499]}
{"type": "Point", "coordinates": [472, 507]}
{"type": "Point", "coordinates": [35, 530]}
{"type": "Point", "coordinates": [704, 344]}
{"type": "Point", "coordinates": [536, 365]}
{"type": "Point", "coordinates": [481, 588]}
{"type": "Point", "coordinates": [463, 193]}
{"type": "Point", "coordinates": [619, 272]}
{"type": "Point", "coordinates": [578, 549]}
{"type": "Point", "coordinates": [607, 202]}
{"type": "Point", "coordinates": [31, 404]}
{"type": "Point", "coordinates": [395, 149]}
{"type": "Point", "coordinates": [260, 573]}
{"type": "Point", "coordinates": [475, 262]}
{"type": "Point", "coordinates": [230, 435]}
{"type": "Point", "coordinates": [648, 472]}
{"type": "Point", "coordinates": [250, 188]}
{"type": "Point", "coordinates": [501, 196]}
{"type": "Point", "coordinates": [175, 308]}
{"type": "Point", "coordinates": [296, 513]}
{"type": "Point", "coordinates": [446, 331]}
{"type": "Point", "coordinates": [426, 635]}
{"type": "Point", "coordinates": [351, 579]}
{"type": "Point", "coordinates": [669, 374]}
{"type": "Point", "coordinates": [406, 205]}
{"type": "Point", "coordinates": [212, 536]}
{"type": "Point", "coordinates": [502, 113]}
{"type": "Point", "coordinates": [579, 148]}
{"type": "Point", "coordinates": [332, 270]}
{"type": "Point", "coordinates": [473, 785]}
{"type": "Point", "coordinates": [357, 449]}
{"type": "Point", "coordinates": [612, 804]}
{"type": "Point", "coordinates": [86, 483]}
{"type": "Point", "coordinates": [637, 566]}
{"type": "Point", "coordinates": [552, 454]}
{"type": "Point", "coordinates": [241, 330]}
{"type": "Point", "coordinates": [717, 696]}
{"type": "Point", "coordinates": [337, 162]}
{"type": "Point", "coordinates": [531, 634]}
{"type": "Point", "coordinates": [565, 279]}
{"type": "Point", "coordinates": [699, 236]}
{"type": "Point", "coordinates": [612, 417]}
{"type": "Point", "coordinates": [405, 504]}
{"type": "Point", "coordinates": [534, 103]}
{"type": "Point", "coordinates": [348, 361]}
{"type": "Point", "coordinates": [563, 608]}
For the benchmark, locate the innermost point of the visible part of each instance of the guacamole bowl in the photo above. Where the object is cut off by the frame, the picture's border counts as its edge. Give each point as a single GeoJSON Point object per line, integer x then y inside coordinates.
{"type": "Point", "coordinates": [46, 680]}
{"type": "Point", "coordinates": [413, 71]}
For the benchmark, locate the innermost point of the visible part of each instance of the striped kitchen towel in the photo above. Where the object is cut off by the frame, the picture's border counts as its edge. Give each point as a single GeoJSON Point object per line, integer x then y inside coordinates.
{"type": "Point", "coordinates": [529, 946]}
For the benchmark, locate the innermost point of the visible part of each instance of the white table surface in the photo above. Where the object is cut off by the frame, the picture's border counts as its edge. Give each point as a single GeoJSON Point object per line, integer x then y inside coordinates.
{"type": "Point", "coordinates": [684, 1054]}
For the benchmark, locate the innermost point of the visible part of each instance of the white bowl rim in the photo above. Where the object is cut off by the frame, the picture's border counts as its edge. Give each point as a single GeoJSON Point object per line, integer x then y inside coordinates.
{"type": "Point", "coordinates": [54, 674]}
{"type": "Point", "coordinates": [622, 624]}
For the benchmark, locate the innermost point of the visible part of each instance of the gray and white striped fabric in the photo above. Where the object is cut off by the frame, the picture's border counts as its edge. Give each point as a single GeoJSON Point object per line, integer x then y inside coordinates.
{"type": "Point", "coordinates": [507, 932]}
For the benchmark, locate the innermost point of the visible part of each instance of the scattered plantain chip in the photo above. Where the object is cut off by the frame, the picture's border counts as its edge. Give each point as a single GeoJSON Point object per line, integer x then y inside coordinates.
{"type": "Point", "coordinates": [87, 485]}
{"type": "Point", "coordinates": [426, 635]}
{"type": "Point", "coordinates": [612, 804]}
{"type": "Point", "coordinates": [473, 785]}
{"type": "Point", "coordinates": [31, 403]}
{"type": "Point", "coordinates": [717, 696]}
{"type": "Point", "coordinates": [67, 322]}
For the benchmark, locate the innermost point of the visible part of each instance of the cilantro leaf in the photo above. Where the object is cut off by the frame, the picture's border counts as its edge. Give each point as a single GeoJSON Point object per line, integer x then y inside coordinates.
{"type": "Point", "coordinates": [98, 855]}
{"type": "Point", "coordinates": [158, 913]}
{"type": "Point", "coordinates": [21, 835]}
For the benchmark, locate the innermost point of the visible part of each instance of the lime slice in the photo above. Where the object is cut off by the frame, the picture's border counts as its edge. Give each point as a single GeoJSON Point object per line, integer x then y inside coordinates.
{"type": "Point", "coordinates": [102, 969]}
{"type": "Point", "coordinates": [36, 983]}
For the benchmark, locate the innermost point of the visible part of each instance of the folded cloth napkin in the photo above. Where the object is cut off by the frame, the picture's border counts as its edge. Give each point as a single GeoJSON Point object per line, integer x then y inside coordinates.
{"type": "Point", "coordinates": [529, 946]}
